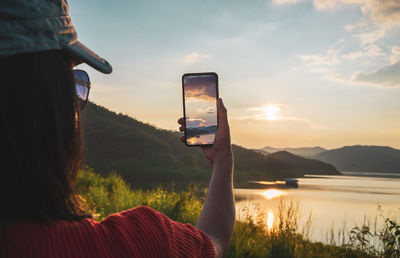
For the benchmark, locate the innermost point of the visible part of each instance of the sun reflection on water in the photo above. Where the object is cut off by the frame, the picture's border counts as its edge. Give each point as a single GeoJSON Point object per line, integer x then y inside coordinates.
{"type": "Point", "coordinates": [270, 220]}
{"type": "Point", "coordinates": [271, 193]}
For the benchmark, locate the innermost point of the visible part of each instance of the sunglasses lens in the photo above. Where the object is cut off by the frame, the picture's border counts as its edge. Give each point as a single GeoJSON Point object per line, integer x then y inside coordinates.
{"type": "Point", "coordinates": [81, 85]}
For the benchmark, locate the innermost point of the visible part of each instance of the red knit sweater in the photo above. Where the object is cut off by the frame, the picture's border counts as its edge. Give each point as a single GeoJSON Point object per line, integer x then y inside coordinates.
{"type": "Point", "coordinates": [138, 232]}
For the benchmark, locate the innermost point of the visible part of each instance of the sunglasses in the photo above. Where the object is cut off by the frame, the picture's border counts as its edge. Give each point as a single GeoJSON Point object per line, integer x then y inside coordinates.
{"type": "Point", "coordinates": [82, 87]}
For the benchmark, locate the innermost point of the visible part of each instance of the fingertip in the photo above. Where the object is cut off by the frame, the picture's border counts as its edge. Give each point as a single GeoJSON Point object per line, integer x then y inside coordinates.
{"type": "Point", "coordinates": [220, 103]}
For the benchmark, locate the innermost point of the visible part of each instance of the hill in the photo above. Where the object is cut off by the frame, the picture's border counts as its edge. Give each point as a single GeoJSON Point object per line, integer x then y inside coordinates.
{"type": "Point", "coordinates": [363, 159]}
{"type": "Point", "coordinates": [146, 156]}
{"type": "Point", "coordinates": [301, 151]}
{"type": "Point", "coordinates": [305, 165]}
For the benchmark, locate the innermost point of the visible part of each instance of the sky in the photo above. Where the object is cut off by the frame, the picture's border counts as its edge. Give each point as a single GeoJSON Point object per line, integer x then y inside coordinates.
{"type": "Point", "coordinates": [291, 72]}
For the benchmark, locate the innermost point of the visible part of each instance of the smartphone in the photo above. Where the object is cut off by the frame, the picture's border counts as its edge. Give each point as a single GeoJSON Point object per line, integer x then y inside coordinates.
{"type": "Point", "coordinates": [200, 94]}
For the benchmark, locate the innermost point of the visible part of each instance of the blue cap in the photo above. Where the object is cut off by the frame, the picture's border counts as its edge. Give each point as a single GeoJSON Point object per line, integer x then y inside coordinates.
{"type": "Point", "coordinates": [28, 26]}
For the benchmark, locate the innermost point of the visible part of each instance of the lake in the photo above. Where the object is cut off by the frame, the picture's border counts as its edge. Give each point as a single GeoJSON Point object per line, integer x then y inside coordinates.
{"type": "Point", "coordinates": [202, 139]}
{"type": "Point", "coordinates": [336, 202]}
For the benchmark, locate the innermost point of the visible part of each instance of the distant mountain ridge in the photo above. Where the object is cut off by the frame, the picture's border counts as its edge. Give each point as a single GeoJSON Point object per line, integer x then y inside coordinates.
{"type": "Point", "coordinates": [359, 158]}
{"type": "Point", "coordinates": [312, 166]}
{"type": "Point", "coordinates": [301, 151]}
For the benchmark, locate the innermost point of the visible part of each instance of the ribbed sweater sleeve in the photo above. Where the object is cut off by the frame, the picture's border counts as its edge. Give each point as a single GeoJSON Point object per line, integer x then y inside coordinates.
{"type": "Point", "coordinates": [152, 234]}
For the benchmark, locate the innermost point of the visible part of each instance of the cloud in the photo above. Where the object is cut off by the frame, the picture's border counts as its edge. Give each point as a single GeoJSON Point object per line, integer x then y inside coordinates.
{"type": "Point", "coordinates": [195, 122]}
{"type": "Point", "coordinates": [326, 4]}
{"type": "Point", "coordinates": [378, 17]}
{"type": "Point", "coordinates": [361, 24]}
{"type": "Point", "coordinates": [388, 76]}
{"type": "Point", "coordinates": [328, 59]}
{"type": "Point", "coordinates": [369, 51]}
{"type": "Point", "coordinates": [336, 78]}
{"type": "Point", "coordinates": [332, 57]}
{"type": "Point", "coordinates": [201, 87]}
{"type": "Point", "coordinates": [395, 57]}
{"type": "Point", "coordinates": [207, 110]}
{"type": "Point", "coordinates": [370, 37]}
{"type": "Point", "coordinates": [194, 57]}
{"type": "Point", "coordinates": [282, 2]}
{"type": "Point", "coordinates": [384, 13]}
{"type": "Point", "coordinates": [323, 63]}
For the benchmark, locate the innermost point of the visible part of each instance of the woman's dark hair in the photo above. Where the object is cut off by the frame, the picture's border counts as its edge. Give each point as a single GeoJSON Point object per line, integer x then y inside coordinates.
{"type": "Point", "coordinates": [41, 144]}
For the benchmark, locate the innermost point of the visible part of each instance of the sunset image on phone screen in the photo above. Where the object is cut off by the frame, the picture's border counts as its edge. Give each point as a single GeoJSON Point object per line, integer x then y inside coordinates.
{"type": "Point", "coordinates": [200, 100]}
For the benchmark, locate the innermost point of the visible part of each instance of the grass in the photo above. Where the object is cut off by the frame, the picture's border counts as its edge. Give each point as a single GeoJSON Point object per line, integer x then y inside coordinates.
{"type": "Point", "coordinates": [103, 196]}
{"type": "Point", "coordinates": [383, 242]}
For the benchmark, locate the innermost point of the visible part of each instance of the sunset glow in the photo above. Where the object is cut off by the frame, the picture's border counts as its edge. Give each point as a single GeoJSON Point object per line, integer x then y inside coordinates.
{"type": "Point", "coordinates": [271, 193]}
{"type": "Point", "coordinates": [191, 141]}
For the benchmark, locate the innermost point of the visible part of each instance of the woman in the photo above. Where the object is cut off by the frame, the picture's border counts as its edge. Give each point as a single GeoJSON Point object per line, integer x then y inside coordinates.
{"type": "Point", "coordinates": [40, 103]}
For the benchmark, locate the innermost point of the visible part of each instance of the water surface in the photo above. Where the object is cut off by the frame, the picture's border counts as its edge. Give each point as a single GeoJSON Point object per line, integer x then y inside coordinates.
{"type": "Point", "coordinates": [336, 202]}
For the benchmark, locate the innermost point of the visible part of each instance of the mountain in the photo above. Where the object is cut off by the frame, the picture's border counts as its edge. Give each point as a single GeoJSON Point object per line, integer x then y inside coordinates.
{"type": "Point", "coordinates": [301, 151]}
{"type": "Point", "coordinates": [363, 159]}
{"type": "Point", "coordinates": [146, 156]}
{"type": "Point", "coordinates": [305, 165]}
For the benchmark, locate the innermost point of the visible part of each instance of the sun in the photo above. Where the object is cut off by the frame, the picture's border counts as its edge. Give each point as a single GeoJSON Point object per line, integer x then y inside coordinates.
{"type": "Point", "coordinates": [271, 112]}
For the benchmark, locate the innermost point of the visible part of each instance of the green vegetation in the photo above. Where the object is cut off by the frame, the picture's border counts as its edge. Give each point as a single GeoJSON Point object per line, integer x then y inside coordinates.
{"type": "Point", "coordinates": [384, 242]}
{"type": "Point", "coordinates": [144, 155]}
{"type": "Point", "coordinates": [106, 195]}
{"type": "Point", "coordinates": [103, 196]}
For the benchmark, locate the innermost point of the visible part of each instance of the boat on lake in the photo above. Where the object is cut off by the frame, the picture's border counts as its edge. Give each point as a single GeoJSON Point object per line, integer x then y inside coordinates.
{"type": "Point", "coordinates": [291, 183]}
{"type": "Point", "coordinates": [284, 184]}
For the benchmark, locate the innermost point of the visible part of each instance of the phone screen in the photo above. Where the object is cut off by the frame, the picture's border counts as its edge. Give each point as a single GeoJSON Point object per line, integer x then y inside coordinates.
{"type": "Point", "coordinates": [200, 94]}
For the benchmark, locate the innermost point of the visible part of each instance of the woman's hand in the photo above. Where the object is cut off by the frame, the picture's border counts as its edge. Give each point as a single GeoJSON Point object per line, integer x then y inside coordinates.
{"type": "Point", "coordinates": [221, 149]}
